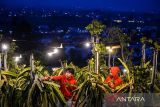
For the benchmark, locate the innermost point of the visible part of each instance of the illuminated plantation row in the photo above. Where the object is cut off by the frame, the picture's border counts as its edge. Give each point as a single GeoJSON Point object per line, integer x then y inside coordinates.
{"type": "Point", "coordinates": [20, 85]}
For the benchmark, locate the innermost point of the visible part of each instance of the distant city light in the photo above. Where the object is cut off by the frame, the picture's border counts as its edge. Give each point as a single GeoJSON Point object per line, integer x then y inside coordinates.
{"type": "Point", "coordinates": [118, 21]}
{"type": "Point", "coordinates": [131, 21]}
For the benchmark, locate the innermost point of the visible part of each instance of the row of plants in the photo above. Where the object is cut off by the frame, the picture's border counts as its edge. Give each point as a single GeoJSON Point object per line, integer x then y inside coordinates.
{"type": "Point", "coordinates": [21, 87]}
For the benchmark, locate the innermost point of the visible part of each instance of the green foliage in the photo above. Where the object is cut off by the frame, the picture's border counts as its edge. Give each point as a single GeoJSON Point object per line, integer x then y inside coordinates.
{"type": "Point", "coordinates": [126, 67]}
{"type": "Point", "coordinates": [157, 46]}
{"type": "Point", "coordinates": [157, 85]}
{"type": "Point", "coordinates": [115, 34]}
{"type": "Point", "coordinates": [101, 48]}
{"type": "Point", "coordinates": [143, 39]}
{"type": "Point", "coordinates": [90, 92]}
{"type": "Point", "coordinates": [11, 53]}
{"type": "Point", "coordinates": [18, 89]}
{"type": "Point", "coordinates": [141, 79]}
{"type": "Point", "coordinates": [95, 28]}
{"type": "Point", "coordinates": [150, 41]}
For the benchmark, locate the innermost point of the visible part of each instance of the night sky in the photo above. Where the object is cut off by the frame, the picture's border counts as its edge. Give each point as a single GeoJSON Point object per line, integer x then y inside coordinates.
{"type": "Point", "coordinates": [119, 5]}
